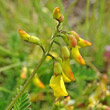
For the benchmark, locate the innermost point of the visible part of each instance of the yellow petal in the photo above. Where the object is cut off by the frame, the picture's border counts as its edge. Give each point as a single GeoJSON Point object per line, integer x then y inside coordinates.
{"type": "Point", "coordinates": [38, 82]}
{"type": "Point", "coordinates": [57, 84]}
{"type": "Point", "coordinates": [23, 34]}
{"type": "Point", "coordinates": [84, 43]}
{"type": "Point", "coordinates": [65, 78]}
{"type": "Point", "coordinates": [76, 55]}
{"type": "Point", "coordinates": [56, 13]}
{"type": "Point", "coordinates": [67, 69]}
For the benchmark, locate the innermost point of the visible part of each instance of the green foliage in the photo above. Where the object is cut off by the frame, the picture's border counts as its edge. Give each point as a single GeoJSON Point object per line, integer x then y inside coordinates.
{"type": "Point", "coordinates": [91, 21]}
{"type": "Point", "coordinates": [23, 102]}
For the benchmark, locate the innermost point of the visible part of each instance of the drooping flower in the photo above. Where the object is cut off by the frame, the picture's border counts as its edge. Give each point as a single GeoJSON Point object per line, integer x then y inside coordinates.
{"type": "Point", "coordinates": [37, 82]}
{"type": "Point", "coordinates": [77, 56]}
{"type": "Point", "coordinates": [75, 42]}
{"type": "Point", "coordinates": [57, 80]}
{"type": "Point", "coordinates": [58, 86]}
{"type": "Point", "coordinates": [26, 37]}
{"type": "Point", "coordinates": [67, 69]}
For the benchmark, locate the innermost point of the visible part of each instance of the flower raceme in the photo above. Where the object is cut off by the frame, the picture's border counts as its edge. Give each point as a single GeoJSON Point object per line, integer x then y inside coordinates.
{"type": "Point", "coordinates": [26, 37]}
{"type": "Point", "coordinates": [62, 72]}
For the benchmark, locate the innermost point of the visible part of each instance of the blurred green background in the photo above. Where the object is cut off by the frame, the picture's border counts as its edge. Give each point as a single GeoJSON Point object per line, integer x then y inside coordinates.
{"type": "Point", "coordinates": [89, 18]}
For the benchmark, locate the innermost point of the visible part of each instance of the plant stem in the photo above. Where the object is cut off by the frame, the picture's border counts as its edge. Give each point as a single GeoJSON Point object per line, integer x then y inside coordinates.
{"type": "Point", "coordinates": [26, 84]}
{"type": "Point", "coordinates": [42, 48]}
{"type": "Point", "coordinates": [35, 70]}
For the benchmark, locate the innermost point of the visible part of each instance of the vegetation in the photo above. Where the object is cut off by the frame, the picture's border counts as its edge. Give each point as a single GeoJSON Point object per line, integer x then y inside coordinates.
{"type": "Point", "coordinates": [91, 88]}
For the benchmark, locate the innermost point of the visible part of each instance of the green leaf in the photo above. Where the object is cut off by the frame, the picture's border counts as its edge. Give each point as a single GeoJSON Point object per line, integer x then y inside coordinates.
{"type": "Point", "coordinates": [23, 102]}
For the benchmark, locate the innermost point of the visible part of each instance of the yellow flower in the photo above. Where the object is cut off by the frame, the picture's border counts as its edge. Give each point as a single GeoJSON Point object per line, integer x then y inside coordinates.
{"type": "Point", "coordinates": [84, 43]}
{"type": "Point", "coordinates": [77, 56]}
{"type": "Point", "coordinates": [67, 69]}
{"type": "Point", "coordinates": [67, 72]}
{"type": "Point", "coordinates": [37, 82]}
{"type": "Point", "coordinates": [57, 84]}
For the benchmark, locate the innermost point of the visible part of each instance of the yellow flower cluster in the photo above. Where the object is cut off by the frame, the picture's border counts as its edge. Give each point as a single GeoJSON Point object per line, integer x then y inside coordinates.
{"type": "Point", "coordinates": [62, 72]}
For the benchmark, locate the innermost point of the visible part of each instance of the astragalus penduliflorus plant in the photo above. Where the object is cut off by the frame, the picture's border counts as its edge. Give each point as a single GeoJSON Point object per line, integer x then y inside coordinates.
{"type": "Point", "coordinates": [62, 72]}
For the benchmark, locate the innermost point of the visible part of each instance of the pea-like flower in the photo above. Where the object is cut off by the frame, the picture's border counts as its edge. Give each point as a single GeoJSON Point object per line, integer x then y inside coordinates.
{"type": "Point", "coordinates": [58, 79]}
{"type": "Point", "coordinates": [77, 56]}
{"type": "Point", "coordinates": [58, 86]}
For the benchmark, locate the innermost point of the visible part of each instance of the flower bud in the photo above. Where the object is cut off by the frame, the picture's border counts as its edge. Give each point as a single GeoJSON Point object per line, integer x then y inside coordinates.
{"type": "Point", "coordinates": [58, 86]}
{"type": "Point", "coordinates": [77, 56]}
{"type": "Point", "coordinates": [61, 18]}
{"type": "Point", "coordinates": [57, 69]}
{"type": "Point", "coordinates": [72, 41]}
{"type": "Point", "coordinates": [74, 34]}
{"type": "Point", "coordinates": [57, 15]}
{"type": "Point", "coordinates": [65, 54]}
{"type": "Point", "coordinates": [26, 37]}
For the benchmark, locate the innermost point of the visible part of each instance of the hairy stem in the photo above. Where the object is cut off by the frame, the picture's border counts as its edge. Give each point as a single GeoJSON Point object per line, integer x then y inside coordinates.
{"type": "Point", "coordinates": [35, 70]}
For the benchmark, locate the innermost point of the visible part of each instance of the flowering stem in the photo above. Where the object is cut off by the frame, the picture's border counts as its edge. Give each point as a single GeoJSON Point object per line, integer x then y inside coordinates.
{"type": "Point", "coordinates": [35, 70]}
{"type": "Point", "coordinates": [57, 43]}
{"type": "Point", "coordinates": [42, 48]}
{"type": "Point", "coordinates": [51, 56]}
